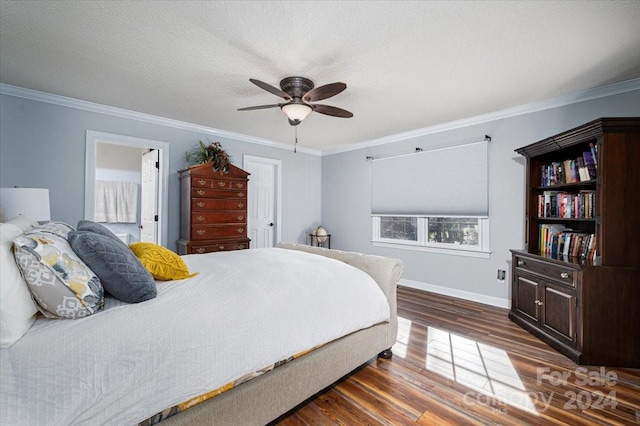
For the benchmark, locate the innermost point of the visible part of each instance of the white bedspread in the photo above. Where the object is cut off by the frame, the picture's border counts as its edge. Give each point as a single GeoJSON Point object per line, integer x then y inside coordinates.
{"type": "Point", "coordinates": [247, 309]}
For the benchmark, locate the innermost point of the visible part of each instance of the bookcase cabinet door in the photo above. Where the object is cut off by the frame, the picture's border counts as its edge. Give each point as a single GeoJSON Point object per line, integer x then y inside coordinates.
{"type": "Point", "coordinates": [559, 313]}
{"type": "Point", "coordinates": [527, 297]}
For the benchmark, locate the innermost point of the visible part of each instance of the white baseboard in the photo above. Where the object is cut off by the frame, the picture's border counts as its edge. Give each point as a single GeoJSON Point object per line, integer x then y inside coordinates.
{"type": "Point", "coordinates": [460, 294]}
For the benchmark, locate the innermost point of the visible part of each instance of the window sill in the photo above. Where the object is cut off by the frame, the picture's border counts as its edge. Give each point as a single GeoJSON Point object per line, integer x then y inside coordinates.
{"type": "Point", "coordinates": [454, 252]}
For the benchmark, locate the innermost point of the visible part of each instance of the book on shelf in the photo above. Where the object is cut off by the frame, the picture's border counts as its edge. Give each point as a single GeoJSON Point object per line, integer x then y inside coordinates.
{"type": "Point", "coordinates": [590, 163]}
{"type": "Point", "coordinates": [571, 170]}
{"type": "Point", "coordinates": [557, 240]}
{"type": "Point", "coordinates": [566, 205]}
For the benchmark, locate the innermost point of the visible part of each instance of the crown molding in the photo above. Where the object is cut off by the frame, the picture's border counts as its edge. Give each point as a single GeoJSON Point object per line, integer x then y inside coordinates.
{"type": "Point", "coordinates": [598, 92]}
{"type": "Point", "coordinates": [34, 95]}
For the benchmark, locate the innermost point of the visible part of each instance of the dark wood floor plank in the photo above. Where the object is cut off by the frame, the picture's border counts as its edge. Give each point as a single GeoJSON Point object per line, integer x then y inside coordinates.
{"type": "Point", "coordinates": [460, 362]}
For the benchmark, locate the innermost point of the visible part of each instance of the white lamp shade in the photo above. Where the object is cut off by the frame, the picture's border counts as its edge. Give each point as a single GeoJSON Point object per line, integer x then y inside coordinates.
{"type": "Point", "coordinates": [296, 111]}
{"type": "Point", "coordinates": [30, 202]}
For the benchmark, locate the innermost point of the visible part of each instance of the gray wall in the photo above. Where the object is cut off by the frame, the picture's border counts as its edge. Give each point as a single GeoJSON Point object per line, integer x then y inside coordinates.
{"type": "Point", "coordinates": [346, 199]}
{"type": "Point", "coordinates": [43, 145]}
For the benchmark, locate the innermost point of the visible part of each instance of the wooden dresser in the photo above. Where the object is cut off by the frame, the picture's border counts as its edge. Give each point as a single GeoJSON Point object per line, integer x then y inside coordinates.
{"type": "Point", "coordinates": [213, 210]}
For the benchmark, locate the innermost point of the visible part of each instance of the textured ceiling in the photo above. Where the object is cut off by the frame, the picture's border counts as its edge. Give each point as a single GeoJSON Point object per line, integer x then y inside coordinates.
{"type": "Point", "coordinates": [407, 65]}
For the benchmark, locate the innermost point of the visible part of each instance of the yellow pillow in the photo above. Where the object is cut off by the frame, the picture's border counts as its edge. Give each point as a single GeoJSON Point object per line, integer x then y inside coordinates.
{"type": "Point", "coordinates": [163, 264]}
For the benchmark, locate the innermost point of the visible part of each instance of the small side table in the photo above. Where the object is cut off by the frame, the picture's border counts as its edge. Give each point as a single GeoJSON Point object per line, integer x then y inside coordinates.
{"type": "Point", "coordinates": [313, 238]}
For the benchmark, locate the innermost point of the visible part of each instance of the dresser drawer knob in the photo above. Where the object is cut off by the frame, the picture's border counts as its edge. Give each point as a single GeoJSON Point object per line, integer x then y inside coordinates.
{"type": "Point", "coordinates": [221, 183]}
{"type": "Point", "coordinates": [539, 303]}
{"type": "Point", "coordinates": [200, 218]}
{"type": "Point", "coordinates": [200, 250]}
{"type": "Point", "coordinates": [240, 205]}
{"type": "Point", "coordinates": [240, 217]}
{"type": "Point", "coordinates": [520, 262]}
{"type": "Point", "coordinates": [240, 194]}
{"type": "Point", "coordinates": [200, 204]}
{"type": "Point", "coordinates": [240, 230]}
{"type": "Point", "coordinates": [240, 246]}
{"type": "Point", "coordinates": [200, 231]}
{"type": "Point", "coordinates": [221, 247]}
{"type": "Point", "coordinates": [202, 182]}
{"type": "Point", "coordinates": [201, 192]}
{"type": "Point", "coordinates": [564, 275]}
{"type": "Point", "coordinates": [240, 185]}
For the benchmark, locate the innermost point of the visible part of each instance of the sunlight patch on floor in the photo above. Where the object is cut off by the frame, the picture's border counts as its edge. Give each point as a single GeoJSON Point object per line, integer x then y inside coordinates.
{"type": "Point", "coordinates": [478, 366]}
{"type": "Point", "coordinates": [402, 341]}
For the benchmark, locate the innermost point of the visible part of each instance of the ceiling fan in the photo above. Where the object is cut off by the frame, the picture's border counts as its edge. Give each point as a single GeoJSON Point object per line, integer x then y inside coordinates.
{"type": "Point", "coordinates": [299, 92]}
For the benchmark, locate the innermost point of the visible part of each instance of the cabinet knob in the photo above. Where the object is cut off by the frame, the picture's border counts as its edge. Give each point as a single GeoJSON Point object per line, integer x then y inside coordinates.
{"type": "Point", "coordinates": [564, 275]}
{"type": "Point", "coordinates": [200, 250]}
{"type": "Point", "coordinates": [240, 185]}
{"type": "Point", "coordinates": [202, 182]}
{"type": "Point", "coordinates": [539, 303]}
{"type": "Point", "coordinates": [200, 231]}
{"type": "Point", "coordinates": [221, 183]}
{"type": "Point", "coordinates": [240, 230]}
{"type": "Point", "coordinates": [240, 217]}
{"type": "Point", "coordinates": [200, 204]}
{"type": "Point", "coordinates": [240, 246]}
{"type": "Point", "coordinates": [221, 247]}
{"type": "Point", "coordinates": [240, 194]}
{"type": "Point", "coordinates": [520, 262]}
{"type": "Point", "coordinates": [240, 205]}
{"type": "Point", "coordinates": [201, 192]}
{"type": "Point", "coordinates": [200, 218]}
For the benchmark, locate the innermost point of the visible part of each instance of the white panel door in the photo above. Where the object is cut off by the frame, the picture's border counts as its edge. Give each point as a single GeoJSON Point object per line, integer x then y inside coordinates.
{"type": "Point", "coordinates": [261, 203]}
{"type": "Point", "coordinates": [149, 197]}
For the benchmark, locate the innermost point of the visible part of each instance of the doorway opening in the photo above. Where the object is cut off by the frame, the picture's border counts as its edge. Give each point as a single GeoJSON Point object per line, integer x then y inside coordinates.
{"type": "Point", "coordinates": [105, 143]}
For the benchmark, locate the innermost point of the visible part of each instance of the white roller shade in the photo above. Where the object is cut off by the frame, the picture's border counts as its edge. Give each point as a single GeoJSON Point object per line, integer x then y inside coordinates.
{"type": "Point", "coordinates": [447, 181]}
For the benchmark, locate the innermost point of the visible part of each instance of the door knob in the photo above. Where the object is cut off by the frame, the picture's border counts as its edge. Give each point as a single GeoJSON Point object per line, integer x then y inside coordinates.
{"type": "Point", "coordinates": [271, 224]}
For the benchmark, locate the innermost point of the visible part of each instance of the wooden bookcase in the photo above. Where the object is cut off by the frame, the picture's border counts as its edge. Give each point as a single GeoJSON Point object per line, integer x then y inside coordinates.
{"type": "Point", "coordinates": [587, 305]}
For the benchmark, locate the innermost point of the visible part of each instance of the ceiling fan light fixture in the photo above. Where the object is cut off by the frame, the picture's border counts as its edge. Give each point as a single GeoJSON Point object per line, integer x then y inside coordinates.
{"type": "Point", "coordinates": [296, 112]}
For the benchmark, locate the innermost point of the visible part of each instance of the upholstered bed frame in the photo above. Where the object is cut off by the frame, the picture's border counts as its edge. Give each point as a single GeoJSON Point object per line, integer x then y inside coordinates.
{"type": "Point", "coordinates": [272, 394]}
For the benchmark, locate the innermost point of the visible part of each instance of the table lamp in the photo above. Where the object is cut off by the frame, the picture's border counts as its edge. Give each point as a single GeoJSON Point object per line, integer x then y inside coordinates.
{"type": "Point", "coordinates": [30, 202]}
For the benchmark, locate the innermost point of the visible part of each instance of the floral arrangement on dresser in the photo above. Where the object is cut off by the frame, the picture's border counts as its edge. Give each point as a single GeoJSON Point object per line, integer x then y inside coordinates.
{"type": "Point", "coordinates": [213, 153]}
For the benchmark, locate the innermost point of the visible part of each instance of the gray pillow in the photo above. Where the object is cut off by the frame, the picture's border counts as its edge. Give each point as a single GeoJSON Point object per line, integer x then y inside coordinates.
{"type": "Point", "coordinates": [120, 271]}
{"type": "Point", "coordinates": [87, 225]}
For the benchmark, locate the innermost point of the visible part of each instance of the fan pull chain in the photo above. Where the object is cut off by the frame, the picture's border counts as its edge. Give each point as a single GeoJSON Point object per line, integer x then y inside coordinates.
{"type": "Point", "coordinates": [296, 143]}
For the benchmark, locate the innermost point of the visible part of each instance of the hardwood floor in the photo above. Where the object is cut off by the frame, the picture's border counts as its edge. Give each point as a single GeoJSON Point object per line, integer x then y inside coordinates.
{"type": "Point", "coordinates": [464, 363]}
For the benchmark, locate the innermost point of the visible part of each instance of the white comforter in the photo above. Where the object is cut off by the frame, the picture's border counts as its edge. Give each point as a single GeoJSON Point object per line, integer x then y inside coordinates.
{"type": "Point", "coordinates": [246, 310]}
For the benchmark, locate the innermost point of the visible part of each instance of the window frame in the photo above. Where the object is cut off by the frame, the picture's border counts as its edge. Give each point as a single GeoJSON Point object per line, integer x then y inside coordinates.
{"type": "Point", "coordinates": [423, 244]}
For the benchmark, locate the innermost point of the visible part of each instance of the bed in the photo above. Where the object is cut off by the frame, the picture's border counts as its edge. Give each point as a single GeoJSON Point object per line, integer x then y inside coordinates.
{"type": "Point", "coordinates": [163, 363]}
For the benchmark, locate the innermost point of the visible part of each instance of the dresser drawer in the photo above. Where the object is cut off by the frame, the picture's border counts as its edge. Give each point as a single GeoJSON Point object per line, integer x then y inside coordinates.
{"type": "Point", "coordinates": [224, 245]}
{"type": "Point", "coordinates": [200, 204]}
{"type": "Point", "coordinates": [208, 183]}
{"type": "Point", "coordinates": [239, 217]}
{"type": "Point", "coordinates": [218, 193]}
{"type": "Point", "coordinates": [207, 232]}
{"type": "Point", "coordinates": [547, 270]}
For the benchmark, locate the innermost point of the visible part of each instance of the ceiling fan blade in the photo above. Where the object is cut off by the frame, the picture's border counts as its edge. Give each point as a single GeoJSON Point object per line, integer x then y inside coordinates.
{"type": "Point", "coordinates": [324, 92]}
{"type": "Point", "coordinates": [331, 110]}
{"type": "Point", "coordinates": [270, 88]}
{"type": "Point", "coordinates": [259, 107]}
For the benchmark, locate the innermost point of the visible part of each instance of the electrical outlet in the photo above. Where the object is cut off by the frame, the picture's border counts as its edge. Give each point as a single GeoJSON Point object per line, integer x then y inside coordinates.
{"type": "Point", "coordinates": [501, 274]}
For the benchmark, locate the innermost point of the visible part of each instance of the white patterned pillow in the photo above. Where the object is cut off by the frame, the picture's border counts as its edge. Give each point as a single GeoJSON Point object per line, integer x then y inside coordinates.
{"type": "Point", "coordinates": [60, 283]}
{"type": "Point", "coordinates": [60, 229]}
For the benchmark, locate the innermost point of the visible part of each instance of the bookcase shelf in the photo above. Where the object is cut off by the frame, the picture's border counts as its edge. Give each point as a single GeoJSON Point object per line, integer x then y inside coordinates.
{"type": "Point", "coordinates": [586, 305]}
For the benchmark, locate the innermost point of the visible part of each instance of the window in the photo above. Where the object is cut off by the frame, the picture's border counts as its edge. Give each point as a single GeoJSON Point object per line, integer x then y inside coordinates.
{"type": "Point", "coordinates": [466, 236]}
{"type": "Point", "coordinates": [399, 228]}
{"type": "Point", "coordinates": [435, 200]}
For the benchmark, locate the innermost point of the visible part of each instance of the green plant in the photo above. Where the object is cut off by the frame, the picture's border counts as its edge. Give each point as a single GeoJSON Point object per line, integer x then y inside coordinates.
{"type": "Point", "coordinates": [213, 153]}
